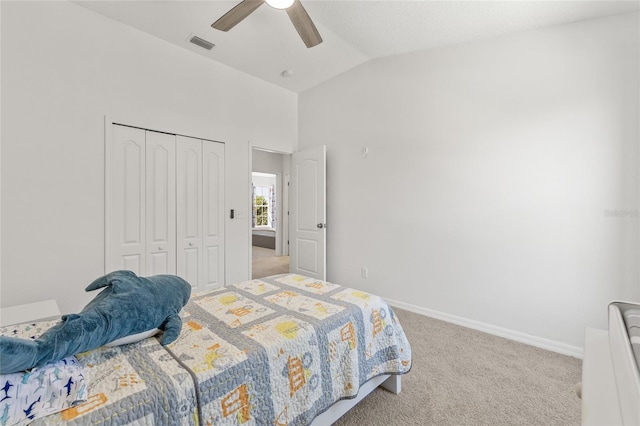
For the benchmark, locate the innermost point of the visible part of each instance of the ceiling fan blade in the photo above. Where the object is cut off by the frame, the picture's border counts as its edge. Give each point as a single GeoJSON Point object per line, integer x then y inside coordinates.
{"type": "Point", "coordinates": [304, 25]}
{"type": "Point", "coordinates": [237, 14]}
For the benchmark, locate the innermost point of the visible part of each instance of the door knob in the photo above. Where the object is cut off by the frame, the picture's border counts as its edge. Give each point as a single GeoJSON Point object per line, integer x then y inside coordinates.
{"type": "Point", "coordinates": [160, 248]}
{"type": "Point", "coordinates": [190, 244]}
{"type": "Point", "coordinates": [321, 225]}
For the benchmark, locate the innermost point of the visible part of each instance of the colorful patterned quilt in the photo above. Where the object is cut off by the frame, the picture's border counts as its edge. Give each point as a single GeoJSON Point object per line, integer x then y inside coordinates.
{"type": "Point", "coordinates": [139, 383]}
{"type": "Point", "coordinates": [281, 350]}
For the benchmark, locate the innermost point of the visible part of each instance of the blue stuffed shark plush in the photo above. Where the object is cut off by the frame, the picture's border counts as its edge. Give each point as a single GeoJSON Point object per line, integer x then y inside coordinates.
{"type": "Point", "coordinates": [128, 305]}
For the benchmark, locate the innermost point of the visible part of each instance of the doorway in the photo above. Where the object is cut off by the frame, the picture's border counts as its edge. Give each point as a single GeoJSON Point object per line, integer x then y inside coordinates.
{"type": "Point", "coordinates": [269, 221]}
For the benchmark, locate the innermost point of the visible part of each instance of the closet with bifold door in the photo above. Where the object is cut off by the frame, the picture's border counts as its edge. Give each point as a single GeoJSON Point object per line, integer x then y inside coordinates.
{"type": "Point", "coordinates": [165, 205]}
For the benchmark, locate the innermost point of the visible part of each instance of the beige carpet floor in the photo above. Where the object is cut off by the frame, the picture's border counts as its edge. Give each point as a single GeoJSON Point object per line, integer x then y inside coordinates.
{"type": "Point", "coordinates": [462, 377]}
{"type": "Point", "coordinates": [264, 262]}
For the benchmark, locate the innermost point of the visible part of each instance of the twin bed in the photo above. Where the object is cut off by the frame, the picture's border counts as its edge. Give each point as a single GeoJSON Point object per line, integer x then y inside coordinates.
{"type": "Point", "coordinates": [282, 350]}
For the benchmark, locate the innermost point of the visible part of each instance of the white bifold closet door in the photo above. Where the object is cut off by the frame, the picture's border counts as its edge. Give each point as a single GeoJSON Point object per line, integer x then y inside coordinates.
{"type": "Point", "coordinates": [165, 205]}
{"type": "Point", "coordinates": [200, 213]}
{"type": "Point", "coordinates": [160, 203]}
{"type": "Point", "coordinates": [143, 203]}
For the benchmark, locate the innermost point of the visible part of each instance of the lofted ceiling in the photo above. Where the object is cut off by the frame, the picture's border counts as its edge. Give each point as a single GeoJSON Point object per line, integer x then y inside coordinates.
{"type": "Point", "coordinates": [266, 44]}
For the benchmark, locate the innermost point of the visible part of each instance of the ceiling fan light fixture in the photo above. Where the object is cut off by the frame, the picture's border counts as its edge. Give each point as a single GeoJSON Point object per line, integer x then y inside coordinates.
{"type": "Point", "coordinates": [280, 4]}
{"type": "Point", "coordinates": [298, 16]}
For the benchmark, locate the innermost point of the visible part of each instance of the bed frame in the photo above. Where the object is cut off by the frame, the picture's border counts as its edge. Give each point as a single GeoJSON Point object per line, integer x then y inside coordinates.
{"type": "Point", "coordinates": [392, 383]}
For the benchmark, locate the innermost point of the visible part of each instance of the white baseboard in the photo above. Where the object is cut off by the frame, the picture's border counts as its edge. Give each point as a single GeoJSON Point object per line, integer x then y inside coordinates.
{"type": "Point", "coordinates": [539, 342]}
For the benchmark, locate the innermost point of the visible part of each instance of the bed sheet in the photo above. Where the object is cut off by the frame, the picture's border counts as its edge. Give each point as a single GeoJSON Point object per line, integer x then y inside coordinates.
{"type": "Point", "coordinates": [281, 350]}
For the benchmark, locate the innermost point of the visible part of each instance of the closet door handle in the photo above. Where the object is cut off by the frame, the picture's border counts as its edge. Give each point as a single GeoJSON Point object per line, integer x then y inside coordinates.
{"type": "Point", "coordinates": [190, 244]}
{"type": "Point", "coordinates": [160, 248]}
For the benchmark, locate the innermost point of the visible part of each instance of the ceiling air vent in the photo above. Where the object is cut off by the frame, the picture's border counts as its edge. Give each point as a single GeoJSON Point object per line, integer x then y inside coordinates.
{"type": "Point", "coordinates": [201, 42]}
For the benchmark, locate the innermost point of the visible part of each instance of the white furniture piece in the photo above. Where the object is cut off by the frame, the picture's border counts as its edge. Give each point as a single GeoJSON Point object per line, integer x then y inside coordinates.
{"type": "Point", "coordinates": [392, 383]}
{"type": "Point", "coordinates": [165, 205]}
{"type": "Point", "coordinates": [610, 373]}
{"type": "Point", "coordinates": [46, 309]}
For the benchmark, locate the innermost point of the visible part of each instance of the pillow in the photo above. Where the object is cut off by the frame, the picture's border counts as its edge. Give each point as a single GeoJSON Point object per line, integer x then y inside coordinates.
{"type": "Point", "coordinates": [41, 391]}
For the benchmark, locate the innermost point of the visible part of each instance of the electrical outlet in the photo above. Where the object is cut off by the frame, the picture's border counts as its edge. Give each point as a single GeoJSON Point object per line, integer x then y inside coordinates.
{"type": "Point", "coordinates": [364, 272]}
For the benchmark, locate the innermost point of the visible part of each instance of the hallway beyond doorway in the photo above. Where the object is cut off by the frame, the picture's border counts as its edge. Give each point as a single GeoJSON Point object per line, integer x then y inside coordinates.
{"type": "Point", "coordinates": [266, 263]}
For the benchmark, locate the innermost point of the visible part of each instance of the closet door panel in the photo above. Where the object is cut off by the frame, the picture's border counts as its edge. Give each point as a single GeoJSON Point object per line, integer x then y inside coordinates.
{"type": "Point", "coordinates": [189, 209]}
{"type": "Point", "coordinates": [213, 213]}
{"type": "Point", "coordinates": [133, 262]}
{"type": "Point", "coordinates": [128, 233]}
{"type": "Point", "coordinates": [161, 203]}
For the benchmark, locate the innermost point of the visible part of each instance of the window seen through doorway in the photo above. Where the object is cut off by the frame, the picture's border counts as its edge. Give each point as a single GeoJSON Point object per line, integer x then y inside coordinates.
{"type": "Point", "coordinates": [264, 200]}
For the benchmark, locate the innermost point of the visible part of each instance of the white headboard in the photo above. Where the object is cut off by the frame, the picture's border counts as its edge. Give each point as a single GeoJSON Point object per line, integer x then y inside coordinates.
{"type": "Point", "coordinates": [45, 309]}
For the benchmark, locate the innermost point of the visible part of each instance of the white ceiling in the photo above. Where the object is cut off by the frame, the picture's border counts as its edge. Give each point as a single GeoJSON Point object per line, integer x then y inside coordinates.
{"type": "Point", "coordinates": [354, 31]}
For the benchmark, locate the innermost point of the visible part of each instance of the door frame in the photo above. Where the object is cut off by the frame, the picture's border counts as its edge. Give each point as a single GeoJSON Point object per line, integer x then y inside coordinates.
{"type": "Point", "coordinates": [282, 232]}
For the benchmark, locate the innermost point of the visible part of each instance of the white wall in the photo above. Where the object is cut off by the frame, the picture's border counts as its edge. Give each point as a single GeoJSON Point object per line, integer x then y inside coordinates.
{"type": "Point", "coordinates": [267, 162]}
{"type": "Point", "coordinates": [63, 69]}
{"type": "Point", "coordinates": [491, 166]}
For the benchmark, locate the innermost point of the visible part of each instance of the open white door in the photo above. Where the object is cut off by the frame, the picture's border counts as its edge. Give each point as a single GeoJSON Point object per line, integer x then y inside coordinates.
{"type": "Point", "coordinates": [308, 213]}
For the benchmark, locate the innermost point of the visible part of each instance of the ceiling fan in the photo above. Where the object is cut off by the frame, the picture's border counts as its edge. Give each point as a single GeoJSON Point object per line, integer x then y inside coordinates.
{"type": "Point", "coordinates": [299, 17]}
